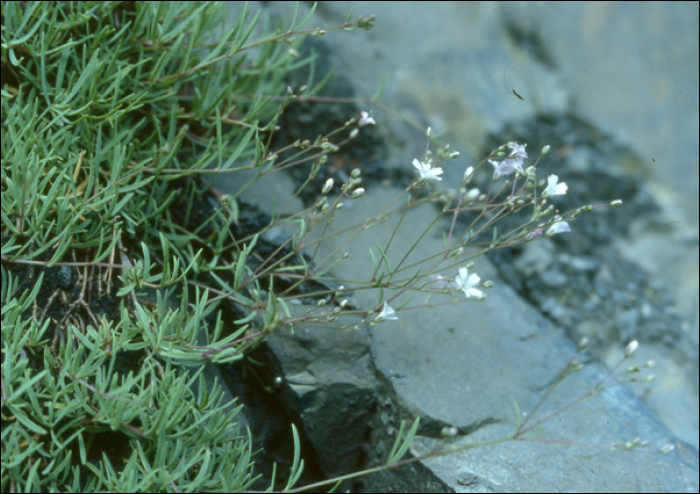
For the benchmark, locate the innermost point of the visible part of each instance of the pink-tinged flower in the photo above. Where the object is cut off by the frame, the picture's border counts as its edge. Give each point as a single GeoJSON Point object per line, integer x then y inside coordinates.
{"type": "Point", "coordinates": [426, 171]}
{"type": "Point", "coordinates": [537, 232]}
{"type": "Point", "coordinates": [366, 119]}
{"type": "Point", "coordinates": [553, 188]}
{"type": "Point", "coordinates": [518, 151]}
{"type": "Point", "coordinates": [506, 167]}
{"type": "Point", "coordinates": [466, 282]}
{"type": "Point", "coordinates": [514, 162]}
{"type": "Point", "coordinates": [443, 283]}
{"type": "Point", "coordinates": [558, 227]}
{"type": "Point", "coordinates": [387, 313]}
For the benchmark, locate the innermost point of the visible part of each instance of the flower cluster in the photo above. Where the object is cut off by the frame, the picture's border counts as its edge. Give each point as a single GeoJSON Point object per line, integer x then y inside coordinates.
{"type": "Point", "coordinates": [513, 163]}
{"type": "Point", "coordinates": [509, 159]}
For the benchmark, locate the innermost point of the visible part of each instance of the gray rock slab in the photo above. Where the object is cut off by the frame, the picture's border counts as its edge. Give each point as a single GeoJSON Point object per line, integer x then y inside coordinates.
{"type": "Point", "coordinates": [468, 363]}
{"type": "Point", "coordinates": [630, 69]}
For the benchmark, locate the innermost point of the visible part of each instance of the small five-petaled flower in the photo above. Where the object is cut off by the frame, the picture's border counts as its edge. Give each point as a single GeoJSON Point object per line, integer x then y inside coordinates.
{"type": "Point", "coordinates": [387, 313]}
{"type": "Point", "coordinates": [553, 188]}
{"type": "Point", "coordinates": [558, 226]}
{"type": "Point", "coordinates": [427, 172]}
{"type": "Point", "coordinates": [466, 282]}
{"type": "Point", "coordinates": [366, 119]}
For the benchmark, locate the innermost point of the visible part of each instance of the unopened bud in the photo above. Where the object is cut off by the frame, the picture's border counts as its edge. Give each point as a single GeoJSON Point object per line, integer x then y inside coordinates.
{"type": "Point", "coordinates": [616, 203]}
{"type": "Point", "coordinates": [355, 173]}
{"type": "Point", "coordinates": [327, 186]}
{"type": "Point", "coordinates": [448, 431]}
{"type": "Point", "coordinates": [667, 449]}
{"type": "Point", "coordinates": [468, 173]}
{"type": "Point", "coordinates": [354, 133]}
{"type": "Point", "coordinates": [472, 195]}
{"type": "Point", "coordinates": [454, 155]}
{"type": "Point", "coordinates": [545, 149]}
{"type": "Point", "coordinates": [358, 193]}
{"type": "Point", "coordinates": [583, 343]}
{"type": "Point", "coordinates": [631, 348]}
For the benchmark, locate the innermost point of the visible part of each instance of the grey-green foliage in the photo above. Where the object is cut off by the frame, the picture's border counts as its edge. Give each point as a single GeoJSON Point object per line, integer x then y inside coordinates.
{"type": "Point", "coordinates": [104, 104]}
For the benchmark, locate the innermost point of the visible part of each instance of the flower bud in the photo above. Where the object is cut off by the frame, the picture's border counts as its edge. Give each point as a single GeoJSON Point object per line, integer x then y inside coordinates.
{"type": "Point", "coordinates": [631, 348]}
{"type": "Point", "coordinates": [545, 149]}
{"type": "Point", "coordinates": [327, 186]}
{"type": "Point", "coordinates": [583, 343]}
{"type": "Point", "coordinates": [454, 155]}
{"type": "Point", "coordinates": [667, 449]}
{"type": "Point", "coordinates": [472, 195]}
{"type": "Point", "coordinates": [448, 431]}
{"type": "Point", "coordinates": [359, 192]}
{"type": "Point", "coordinates": [468, 173]}
{"type": "Point", "coordinates": [616, 203]}
{"type": "Point", "coordinates": [354, 133]}
{"type": "Point", "coordinates": [355, 173]}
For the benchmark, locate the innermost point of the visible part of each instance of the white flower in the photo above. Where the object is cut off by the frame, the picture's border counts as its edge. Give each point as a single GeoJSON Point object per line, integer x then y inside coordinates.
{"type": "Point", "coordinates": [426, 172]}
{"type": "Point", "coordinates": [387, 313]}
{"type": "Point", "coordinates": [366, 119]}
{"type": "Point", "coordinates": [553, 188]}
{"type": "Point", "coordinates": [558, 227]}
{"type": "Point", "coordinates": [466, 283]}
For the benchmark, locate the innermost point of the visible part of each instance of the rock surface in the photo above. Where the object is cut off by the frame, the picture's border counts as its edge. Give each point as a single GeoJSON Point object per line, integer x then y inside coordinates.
{"type": "Point", "coordinates": [465, 365]}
